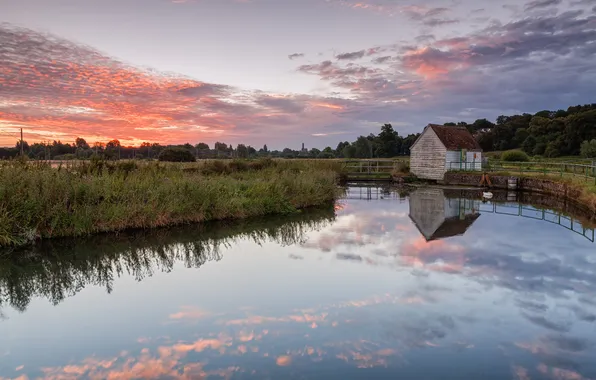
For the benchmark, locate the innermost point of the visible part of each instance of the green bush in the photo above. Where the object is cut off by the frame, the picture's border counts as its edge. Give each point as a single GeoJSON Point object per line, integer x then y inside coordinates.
{"type": "Point", "coordinates": [588, 149]}
{"type": "Point", "coordinates": [176, 155]}
{"type": "Point", "coordinates": [515, 156]}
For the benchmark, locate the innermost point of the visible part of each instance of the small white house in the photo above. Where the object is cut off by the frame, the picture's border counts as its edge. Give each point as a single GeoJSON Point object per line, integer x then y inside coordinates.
{"type": "Point", "coordinates": [440, 148]}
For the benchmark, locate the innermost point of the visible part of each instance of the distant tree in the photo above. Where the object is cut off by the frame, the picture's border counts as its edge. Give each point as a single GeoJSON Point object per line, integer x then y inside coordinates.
{"type": "Point", "coordinates": [219, 146]}
{"type": "Point", "coordinates": [450, 124]}
{"type": "Point", "coordinates": [80, 143]}
{"type": "Point", "coordinates": [363, 147]}
{"type": "Point", "coordinates": [176, 154]}
{"type": "Point", "coordinates": [349, 151]}
{"type": "Point", "coordinates": [113, 144]}
{"type": "Point", "coordinates": [202, 146]}
{"type": "Point", "coordinates": [529, 144]}
{"type": "Point", "coordinates": [25, 146]}
{"type": "Point", "coordinates": [265, 148]}
{"type": "Point", "coordinates": [242, 151]}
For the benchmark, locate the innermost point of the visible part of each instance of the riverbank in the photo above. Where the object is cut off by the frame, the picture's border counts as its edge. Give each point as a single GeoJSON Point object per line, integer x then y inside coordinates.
{"type": "Point", "coordinates": [41, 202]}
{"type": "Point", "coordinates": [579, 192]}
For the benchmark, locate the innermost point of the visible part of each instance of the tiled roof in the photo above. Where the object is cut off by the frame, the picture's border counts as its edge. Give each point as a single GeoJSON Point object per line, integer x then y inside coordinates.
{"type": "Point", "coordinates": [455, 138]}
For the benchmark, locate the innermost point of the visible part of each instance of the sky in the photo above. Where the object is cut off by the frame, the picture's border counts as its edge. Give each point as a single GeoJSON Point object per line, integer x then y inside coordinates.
{"type": "Point", "coordinates": [283, 72]}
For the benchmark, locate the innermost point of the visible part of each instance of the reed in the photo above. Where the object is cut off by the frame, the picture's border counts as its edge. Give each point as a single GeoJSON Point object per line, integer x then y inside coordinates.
{"type": "Point", "coordinates": [38, 201]}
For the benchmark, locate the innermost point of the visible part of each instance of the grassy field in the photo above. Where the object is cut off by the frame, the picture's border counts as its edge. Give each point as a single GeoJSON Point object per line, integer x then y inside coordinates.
{"type": "Point", "coordinates": [38, 201]}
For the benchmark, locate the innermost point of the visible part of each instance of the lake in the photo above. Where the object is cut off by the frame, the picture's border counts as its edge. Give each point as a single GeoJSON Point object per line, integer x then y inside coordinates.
{"type": "Point", "coordinates": [387, 284]}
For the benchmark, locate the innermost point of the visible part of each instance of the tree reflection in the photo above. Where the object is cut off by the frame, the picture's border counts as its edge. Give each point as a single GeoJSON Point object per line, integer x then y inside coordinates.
{"type": "Point", "coordinates": [57, 269]}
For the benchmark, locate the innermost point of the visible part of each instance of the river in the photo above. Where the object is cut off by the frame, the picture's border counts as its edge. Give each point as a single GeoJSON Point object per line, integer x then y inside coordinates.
{"type": "Point", "coordinates": [428, 284]}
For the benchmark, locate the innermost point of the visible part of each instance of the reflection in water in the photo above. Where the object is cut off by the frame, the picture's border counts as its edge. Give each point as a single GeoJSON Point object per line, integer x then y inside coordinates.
{"type": "Point", "coordinates": [57, 269]}
{"type": "Point", "coordinates": [390, 286]}
{"type": "Point", "coordinates": [438, 217]}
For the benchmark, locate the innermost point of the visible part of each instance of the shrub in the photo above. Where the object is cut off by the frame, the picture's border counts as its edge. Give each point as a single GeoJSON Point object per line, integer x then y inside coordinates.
{"type": "Point", "coordinates": [588, 149]}
{"type": "Point", "coordinates": [515, 156]}
{"type": "Point", "coordinates": [402, 167]}
{"type": "Point", "coordinates": [176, 155]}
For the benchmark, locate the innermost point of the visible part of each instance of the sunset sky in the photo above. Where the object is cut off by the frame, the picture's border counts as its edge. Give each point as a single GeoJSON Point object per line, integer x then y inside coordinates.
{"type": "Point", "coordinates": [283, 72]}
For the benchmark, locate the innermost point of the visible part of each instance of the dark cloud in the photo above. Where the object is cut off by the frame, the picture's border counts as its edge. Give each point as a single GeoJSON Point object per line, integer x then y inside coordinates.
{"type": "Point", "coordinates": [566, 343]}
{"type": "Point", "coordinates": [532, 306]}
{"type": "Point", "coordinates": [439, 22]}
{"type": "Point", "coordinates": [543, 322]}
{"type": "Point", "coordinates": [351, 56]}
{"type": "Point", "coordinates": [425, 37]}
{"type": "Point", "coordinates": [419, 13]}
{"type": "Point", "coordinates": [348, 257]}
{"type": "Point", "coordinates": [382, 59]}
{"type": "Point", "coordinates": [541, 4]}
{"type": "Point", "coordinates": [296, 55]}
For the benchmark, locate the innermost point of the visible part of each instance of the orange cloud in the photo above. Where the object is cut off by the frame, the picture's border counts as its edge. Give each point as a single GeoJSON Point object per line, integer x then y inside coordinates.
{"type": "Point", "coordinates": [283, 361]}
{"type": "Point", "coordinates": [190, 312]}
{"type": "Point", "coordinates": [56, 89]}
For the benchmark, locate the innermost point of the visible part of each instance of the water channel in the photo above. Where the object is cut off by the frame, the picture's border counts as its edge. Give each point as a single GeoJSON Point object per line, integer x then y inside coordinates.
{"type": "Point", "coordinates": [388, 284]}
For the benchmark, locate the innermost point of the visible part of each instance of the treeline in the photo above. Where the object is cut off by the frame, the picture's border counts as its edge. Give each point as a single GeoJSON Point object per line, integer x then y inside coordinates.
{"type": "Point", "coordinates": [387, 143]}
{"type": "Point", "coordinates": [545, 133]}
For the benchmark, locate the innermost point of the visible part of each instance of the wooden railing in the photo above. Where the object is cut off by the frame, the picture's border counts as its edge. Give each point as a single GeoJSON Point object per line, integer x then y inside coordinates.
{"type": "Point", "coordinates": [369, 169]}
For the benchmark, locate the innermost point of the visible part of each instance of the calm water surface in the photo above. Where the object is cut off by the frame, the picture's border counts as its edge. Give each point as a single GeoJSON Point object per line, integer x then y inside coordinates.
{"type": "Point", "coordinates": [384, 286]}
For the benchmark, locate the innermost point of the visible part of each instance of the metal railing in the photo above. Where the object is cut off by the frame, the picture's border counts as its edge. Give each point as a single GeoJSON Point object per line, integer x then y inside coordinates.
{"type": "Point", "coordinates": [558, 218]}
{"type": "Point", "coordinates": [560, 169]}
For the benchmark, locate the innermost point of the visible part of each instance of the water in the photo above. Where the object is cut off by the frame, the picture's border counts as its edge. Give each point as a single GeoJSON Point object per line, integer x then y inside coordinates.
{"type": "Point", "coordinates": [434, 285]}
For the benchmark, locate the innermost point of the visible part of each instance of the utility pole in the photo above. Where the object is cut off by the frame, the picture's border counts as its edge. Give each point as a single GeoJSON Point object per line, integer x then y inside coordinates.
{"type": "Point", "coordinates": [21, 141]}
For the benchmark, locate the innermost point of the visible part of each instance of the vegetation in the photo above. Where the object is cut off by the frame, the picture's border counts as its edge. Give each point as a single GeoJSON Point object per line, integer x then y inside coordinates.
{"type": "Point", "coordinates": [545, 133]}
{"type": "Point", "coordinates": [588, 149]}
{"type": "Point", "coordinates": [175, 154]}
{"type": "Point", "coordinates": [37, 201]}
{"type": "Point", "coordinates": [386, 144]}
{"type": "Point", "coordinates": [515, 156]}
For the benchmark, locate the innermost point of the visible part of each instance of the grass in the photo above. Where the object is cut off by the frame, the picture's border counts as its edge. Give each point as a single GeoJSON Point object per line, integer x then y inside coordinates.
{"type": "Point", "coordinates": [39, 202]}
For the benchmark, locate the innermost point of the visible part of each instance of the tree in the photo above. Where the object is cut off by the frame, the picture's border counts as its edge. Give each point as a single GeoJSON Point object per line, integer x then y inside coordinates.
{"type": "Point", "coordinates": [202, 146]}
{"type": "Point", "coordinates": [363, 147]}
{"type": "Point", "coordinates": [242, 151]}
{"type": "Point", "coordinates": [388, 142]}
{"type": "Point", "coordinates": [265, 148]}
{"type": "Point", "coordinates": [80, 143]}
{"type": "Point", "coordinates": [349, 151]}
{"type": "Point", "coordinates": [25, 146]}
{"type": "Point", "coordinates": [176, 154]}
{"type": "Point", "coordinates": [529, 144]}
{"type": "Point", "coordinates": [113, 144]}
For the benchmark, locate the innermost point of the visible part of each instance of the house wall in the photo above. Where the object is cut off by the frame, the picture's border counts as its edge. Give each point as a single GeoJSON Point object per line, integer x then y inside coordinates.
{"type": "Point", "coordinates": [427, 209]}
{"type": "Point", "coordinates": [453, 158]}
{"type": "Point", "coordinates": [427, 157]}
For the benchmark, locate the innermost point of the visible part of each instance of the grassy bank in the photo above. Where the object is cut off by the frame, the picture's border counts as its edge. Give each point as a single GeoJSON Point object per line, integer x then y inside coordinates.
{"type": "Point", "coordinates": [38, 201]}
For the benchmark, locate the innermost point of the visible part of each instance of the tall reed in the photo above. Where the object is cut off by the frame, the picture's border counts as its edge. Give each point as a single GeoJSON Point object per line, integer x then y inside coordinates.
{"type": "Point", "coordinates": [38, 201]}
